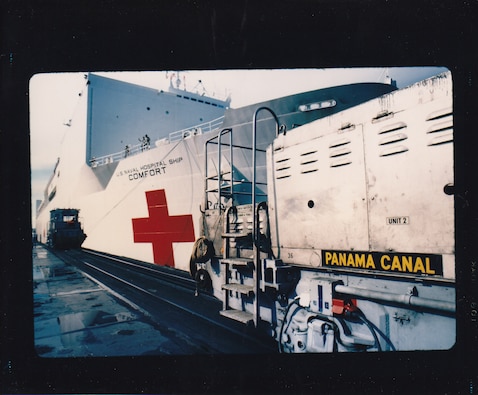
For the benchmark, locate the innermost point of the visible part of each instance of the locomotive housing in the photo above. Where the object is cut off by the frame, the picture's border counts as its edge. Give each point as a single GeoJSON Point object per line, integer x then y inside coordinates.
{"type": "Point", "coordinates": [352, 248]}
{"type": "Point", "coordinates": [64, 229]}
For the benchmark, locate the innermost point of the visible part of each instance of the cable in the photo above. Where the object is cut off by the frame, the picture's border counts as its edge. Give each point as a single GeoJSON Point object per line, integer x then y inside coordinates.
{"type": "Point", "coordinates": [281, 332]}
{"type": "Point", "coordinates": [374, 334]}
{"type": "Point", "coordinates": [377, 330]}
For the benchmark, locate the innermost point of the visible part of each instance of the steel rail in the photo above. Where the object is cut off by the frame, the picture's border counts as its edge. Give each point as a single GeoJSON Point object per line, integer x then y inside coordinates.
{"type": "Point", "coordinates": [181, 280]}
{"type": "Point", "coordinates": [166, 300]}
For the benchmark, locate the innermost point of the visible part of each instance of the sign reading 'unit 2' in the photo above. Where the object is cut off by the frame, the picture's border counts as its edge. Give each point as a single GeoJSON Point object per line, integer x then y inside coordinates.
{"type": "Point", "coordinates": [162, 230]}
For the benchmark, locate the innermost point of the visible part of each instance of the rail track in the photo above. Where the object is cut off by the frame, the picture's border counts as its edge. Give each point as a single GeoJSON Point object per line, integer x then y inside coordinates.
{"type": "Point", "coordinates": [167, 298]}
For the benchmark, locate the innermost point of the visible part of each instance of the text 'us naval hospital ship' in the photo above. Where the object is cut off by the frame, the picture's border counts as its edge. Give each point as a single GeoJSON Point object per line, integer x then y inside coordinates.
{"type": "Point", "coordinates": [325, 218]}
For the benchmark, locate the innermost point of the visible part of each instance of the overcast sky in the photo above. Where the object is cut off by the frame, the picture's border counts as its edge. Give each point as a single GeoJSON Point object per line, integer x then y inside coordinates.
{"type": "Point", "coordinates": [54, 98]}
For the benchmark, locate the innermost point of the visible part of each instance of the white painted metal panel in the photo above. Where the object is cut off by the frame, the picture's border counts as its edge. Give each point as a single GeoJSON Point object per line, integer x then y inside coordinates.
{"type": "Point", "coordinates": [409, 163]}
{"type": "Point", "coordinates": [320, 196]}
{"type": "Point", "coordinates": [372, 178]}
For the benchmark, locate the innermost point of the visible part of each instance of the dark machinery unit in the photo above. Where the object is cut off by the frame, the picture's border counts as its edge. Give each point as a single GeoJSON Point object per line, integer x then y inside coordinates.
{"type": "Point", "coordinates": [64, 229]}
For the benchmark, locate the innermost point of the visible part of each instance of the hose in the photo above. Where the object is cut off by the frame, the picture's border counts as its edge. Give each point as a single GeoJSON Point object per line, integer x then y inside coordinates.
{"type": "Point", "coordinates": [371, 329]}
{"type": "Point", "coordinates": [337, 325]}
{"type": "Point", "coordinates": [367, 322]}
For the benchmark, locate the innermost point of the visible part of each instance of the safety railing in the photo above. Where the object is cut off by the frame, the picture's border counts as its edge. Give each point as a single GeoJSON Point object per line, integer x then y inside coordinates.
{"type": "Point", "coordinates": [254, 165]}
{"type": "Point", "coordinates": [225, 180]}
{"type": "Point", "coordinates": [205, 127]}
{"type": "Point", "coordinates": [130, 150]}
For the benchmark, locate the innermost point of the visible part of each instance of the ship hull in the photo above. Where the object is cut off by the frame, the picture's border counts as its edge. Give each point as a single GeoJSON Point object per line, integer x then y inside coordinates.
{"type": "Point", "coordinates": [122, 218]}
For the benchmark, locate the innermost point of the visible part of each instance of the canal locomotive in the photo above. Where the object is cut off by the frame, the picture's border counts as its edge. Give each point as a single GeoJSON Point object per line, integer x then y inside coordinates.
{"type": "Point", "coordinates": [64, 229]}
{"type": "Point", "coordinates": [341, 237]}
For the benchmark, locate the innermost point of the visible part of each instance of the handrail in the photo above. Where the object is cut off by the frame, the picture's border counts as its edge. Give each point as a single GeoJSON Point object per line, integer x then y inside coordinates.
{"type": "Point", "coordinates": [218, 140]}
{"type": "Point", "coordinates": [238, 146]}
{"type": "Point", "coordinates": [206, 170]}
{"type": "Point", "coordinates": [204, 127]}
{"type": "Point", "coordinates": [254, 148]}
{"type": "Point", "coordinates": [221, 133]}
{"type": "Point", "coordinates": [255, 216]}
{"type": "Point", "coordinates": [130, 150]}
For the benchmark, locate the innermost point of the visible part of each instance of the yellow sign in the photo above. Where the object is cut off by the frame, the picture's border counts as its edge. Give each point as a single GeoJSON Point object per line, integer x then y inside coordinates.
{"type": "Point", "coordinates": [427, 264]}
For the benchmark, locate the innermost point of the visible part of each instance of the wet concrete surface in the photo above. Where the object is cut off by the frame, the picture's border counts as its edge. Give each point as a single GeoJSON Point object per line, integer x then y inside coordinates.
{"type": "Point", "coordinates": [77, 317]}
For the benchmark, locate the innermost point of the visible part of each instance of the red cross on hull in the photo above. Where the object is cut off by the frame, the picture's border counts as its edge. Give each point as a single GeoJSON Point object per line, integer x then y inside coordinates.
{"type": "Point", "coordinates": [161, 229]}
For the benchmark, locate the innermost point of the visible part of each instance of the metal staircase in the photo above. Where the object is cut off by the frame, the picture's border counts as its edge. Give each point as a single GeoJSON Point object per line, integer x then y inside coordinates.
{"type": "Point", "coordinates": [242, 227]}
{"type": "Point", "coordinates": [239, 270]}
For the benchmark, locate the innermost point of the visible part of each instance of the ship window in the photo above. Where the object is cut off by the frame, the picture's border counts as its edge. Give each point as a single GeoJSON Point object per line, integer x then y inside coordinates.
{"type": "Point", "coordinates": [52, 194]}
{"type": "Point", "coordinates": [317, 105]}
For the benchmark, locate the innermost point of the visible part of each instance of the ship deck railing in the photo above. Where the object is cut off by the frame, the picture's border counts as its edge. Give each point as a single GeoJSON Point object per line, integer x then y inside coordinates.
{"type": "Point", "coordinates": [130, 150]}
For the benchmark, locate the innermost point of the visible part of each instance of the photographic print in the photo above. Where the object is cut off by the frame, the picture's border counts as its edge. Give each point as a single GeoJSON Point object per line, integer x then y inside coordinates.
{"type": "Point", "coordinates": [243, 211]}
{"type": "Point", "coordinates": [264, 197]}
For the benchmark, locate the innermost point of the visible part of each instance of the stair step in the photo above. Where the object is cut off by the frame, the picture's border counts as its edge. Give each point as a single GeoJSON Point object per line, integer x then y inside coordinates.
{"type": "Point", "coordinates": [214, 177]}
{"type": "Point", "coordinates": [238, 315]}
{"type": "Point", "coordinates": [238, 261]}
{"type": "Point", "coordinates": [224, 192]}
{"type": "Point", "coordinates": [234, 235]}
{"type": "Point", "coordinates": [215, 189]}
{"type": "Point", "coordinates": [241, 288]}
